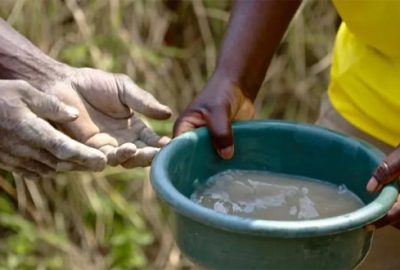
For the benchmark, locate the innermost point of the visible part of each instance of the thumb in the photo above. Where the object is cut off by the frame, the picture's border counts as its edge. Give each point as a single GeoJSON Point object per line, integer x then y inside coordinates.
{"type": "Point", "coordinates": [48, 106]}
{"type": "Point", "coordinates": [188, 121]}
{"type": "Point", "coordinates": [221, 131]}
{"type": "Point", "coordinates": [143, 102]}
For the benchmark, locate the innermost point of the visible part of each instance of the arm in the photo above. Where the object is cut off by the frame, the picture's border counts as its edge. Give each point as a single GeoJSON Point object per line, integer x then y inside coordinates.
{"type": "Point", "coordinates": [253, 34]}
{"type": "Point", "coordinates": [29, 145]}
{"type": "Point", "coordinates": [105, 101]}
{"type": "Point", "coordinates": [252, 37]}
{"type": "Point", "coordinates": [20, 59]}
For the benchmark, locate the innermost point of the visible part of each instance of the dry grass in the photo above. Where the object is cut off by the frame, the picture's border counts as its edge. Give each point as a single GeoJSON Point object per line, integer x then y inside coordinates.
{"type": "Point", "coordinates": [112, 220]}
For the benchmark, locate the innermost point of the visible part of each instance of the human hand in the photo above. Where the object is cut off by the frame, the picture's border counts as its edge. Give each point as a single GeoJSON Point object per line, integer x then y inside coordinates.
{"type": "Point", "coordinates": [220, 102]}
{"type": "Point", "coordinates": [387, 172]}
{"type": "Point", "coordinates": [29, 145]}
{"type": "Point", "coordinates": [106, 122]}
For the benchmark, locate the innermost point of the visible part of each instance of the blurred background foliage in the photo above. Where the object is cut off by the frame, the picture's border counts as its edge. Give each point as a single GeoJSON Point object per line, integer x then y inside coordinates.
{"type": "Point", "coordinates": [112, 220]}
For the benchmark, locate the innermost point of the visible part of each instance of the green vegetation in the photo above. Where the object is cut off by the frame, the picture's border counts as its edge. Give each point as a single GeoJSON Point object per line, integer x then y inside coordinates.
{"type": "Point", "coordinates": [112, 220]}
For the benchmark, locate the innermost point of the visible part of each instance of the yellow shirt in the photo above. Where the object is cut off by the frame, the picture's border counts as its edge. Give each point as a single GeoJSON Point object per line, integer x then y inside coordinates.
{"type": "Point", "coordinates": [365, 73]}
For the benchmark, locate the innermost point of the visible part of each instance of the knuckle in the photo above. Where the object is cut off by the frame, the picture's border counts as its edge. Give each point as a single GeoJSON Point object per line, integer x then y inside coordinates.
{"type": "Point", "coordinates": [23, 85]}
{"type": "Point", "coordinates": [26, 91]}
{"type": "Point", "coordinates": [52, 99]}
{"type": "Point", "coordinates": [53, 103]}
{"type": "Point", "coordinates": [385, 172]}
{"type": "Point", "coordinates": [204, 108]}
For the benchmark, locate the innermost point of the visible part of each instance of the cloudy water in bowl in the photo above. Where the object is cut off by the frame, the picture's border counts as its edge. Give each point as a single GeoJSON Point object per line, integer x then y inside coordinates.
{"type": "Point", "coordinates": [264, 195]}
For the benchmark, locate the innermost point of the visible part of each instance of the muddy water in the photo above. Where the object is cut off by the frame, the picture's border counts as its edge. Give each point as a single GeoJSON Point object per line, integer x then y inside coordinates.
{"type": "Point", "coordinates": [270, 196]}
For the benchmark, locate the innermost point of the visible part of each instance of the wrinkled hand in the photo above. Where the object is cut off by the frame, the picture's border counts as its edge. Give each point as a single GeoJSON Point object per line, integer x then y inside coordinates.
{"type": "Point", "coordinates": [219, 103]}
{"type": "Point", "coordinates": [386, 172]}
{"type": "Point", "coordinates": [106, 122]}
{"type": "Point", "coordinates": [29, 145]}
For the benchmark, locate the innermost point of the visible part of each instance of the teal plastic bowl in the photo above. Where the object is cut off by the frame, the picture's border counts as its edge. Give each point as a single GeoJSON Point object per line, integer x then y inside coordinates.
{"type": "Point", "coordinates": [219, 241]}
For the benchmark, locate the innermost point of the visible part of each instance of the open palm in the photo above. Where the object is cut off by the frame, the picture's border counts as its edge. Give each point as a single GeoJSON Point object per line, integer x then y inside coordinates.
{"type": "Point", "coordinates": [107, 103]}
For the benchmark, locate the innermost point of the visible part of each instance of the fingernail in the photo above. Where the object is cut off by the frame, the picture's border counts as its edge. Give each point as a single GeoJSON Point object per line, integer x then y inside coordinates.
{"type": "Point", "coordinates": [373, 185]}
{"type": "Point", "coordinates": [167, 110]}
{"type": "Point", "coordinates": [71, 111]}
{"type": "Point", "coordinates": [226, 153]}
{"type": "Point", "coordinates": [164, 140]}
{"type": "Point", "coordinates": [370, 228]}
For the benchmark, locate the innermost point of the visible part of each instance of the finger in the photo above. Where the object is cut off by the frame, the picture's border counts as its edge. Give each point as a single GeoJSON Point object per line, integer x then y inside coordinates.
{"type": "Point", "coordinates": [110, 152]}
{"type": "Point", "coordinates": [27, 165]}
{"type": "Point", "coordinates": [69, 166]}
{"type": "Point", "coordinates": [142, 158]}
{"type": "Point", "coordinates": [221, 131]}
{"type": "Point", "coordinates": [119, 155]}
{"type": "Point", "coordinates": [101, 139]}
{"type": "Point", "coordinates": [187, 122]}
{"type": "Point", "coordinates": [218, 124]}
{"type": "Point", "coordinates": [47, 106]}
{"type": "Point", "coordinates": [393, 216]}
{"type": "Point", "coordinates": [246, 111]}
{"type": "Point", "coordinates": [164, 140]}
{"type": "Point", "coordinates": [147, 135]}
{"type": "Point", "coordinates": [61, 146]}
{"type": "Point", "coordinates": [387, 171]}
{"type": "Point", "coordinates": [25, 151]}
{"type": "Point", "coordinates": [143, 102]}
{"type": "Point", "coordinates": [21, 172]}
{"type": "Point", "coordinates": [140, 144]}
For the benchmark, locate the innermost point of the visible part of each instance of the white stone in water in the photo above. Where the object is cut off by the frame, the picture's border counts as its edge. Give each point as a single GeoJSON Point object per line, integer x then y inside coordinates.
{"type": "Point", "coordinates": [220, 207]}
{"type": "Point", "coordinates": [342, 189]}
{"type": "Point", "coordinates": [265, 195]}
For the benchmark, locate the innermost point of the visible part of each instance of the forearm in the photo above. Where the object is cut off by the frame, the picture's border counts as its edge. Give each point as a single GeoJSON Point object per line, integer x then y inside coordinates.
{"type": "Point", "coordinates": [20, 59]}
{"type": "Point", "coordinates": [254, 32]}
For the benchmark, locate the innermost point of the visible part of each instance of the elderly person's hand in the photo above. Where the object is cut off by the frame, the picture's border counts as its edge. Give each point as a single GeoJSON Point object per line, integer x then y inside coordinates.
{"type": "Point", "coordinates": [106, 103]}
{"type": "Point", "coordinates": [32, 147]}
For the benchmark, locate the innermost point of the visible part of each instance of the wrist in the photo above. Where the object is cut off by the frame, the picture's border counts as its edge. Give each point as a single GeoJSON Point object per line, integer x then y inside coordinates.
{"type": "Point", "coordinates": [47, 72]}
{"type": "Point", "coordinates": [34, 67]}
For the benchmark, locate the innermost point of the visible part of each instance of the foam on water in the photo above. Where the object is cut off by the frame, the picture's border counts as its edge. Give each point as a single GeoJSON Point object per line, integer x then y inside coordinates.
{"type": "Point", "coordinates": [265, 195]}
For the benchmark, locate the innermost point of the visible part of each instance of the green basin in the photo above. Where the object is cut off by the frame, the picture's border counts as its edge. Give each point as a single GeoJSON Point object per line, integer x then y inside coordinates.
{"type": "Point", "coordinates": [219, 241]}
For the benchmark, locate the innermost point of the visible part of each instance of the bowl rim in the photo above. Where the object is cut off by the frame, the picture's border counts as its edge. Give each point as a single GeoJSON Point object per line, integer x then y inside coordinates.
{"type": "Point", "coordinates": [272, 228]}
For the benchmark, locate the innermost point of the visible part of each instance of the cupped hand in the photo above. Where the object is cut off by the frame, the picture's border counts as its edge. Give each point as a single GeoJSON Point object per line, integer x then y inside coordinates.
{"type": "Point", "coordinates": [219, 103]}
{"type": "Point", "coordinates": [29, 145]}
{"type": "Point", "coordinates": [106, 104]}
{"type": "Point", "coordinates": [388, 171]}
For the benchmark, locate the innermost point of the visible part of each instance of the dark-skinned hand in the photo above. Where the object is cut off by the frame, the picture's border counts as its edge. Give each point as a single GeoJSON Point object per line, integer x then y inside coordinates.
{"type": "Point", "coordinates": [220, 102]}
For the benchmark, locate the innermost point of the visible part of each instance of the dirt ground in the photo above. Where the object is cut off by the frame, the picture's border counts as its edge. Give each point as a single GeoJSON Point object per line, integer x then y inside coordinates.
{"type": "Point", "coordinates": [385, 251]}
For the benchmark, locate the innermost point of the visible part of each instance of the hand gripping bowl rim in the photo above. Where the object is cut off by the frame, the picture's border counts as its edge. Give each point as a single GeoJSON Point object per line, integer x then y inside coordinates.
{"type": "Point", "coordinates": [271, 228]}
